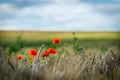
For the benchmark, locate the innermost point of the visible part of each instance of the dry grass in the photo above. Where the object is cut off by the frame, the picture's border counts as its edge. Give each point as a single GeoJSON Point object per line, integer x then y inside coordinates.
{"type": "Point", "coordinates": [85, 66]}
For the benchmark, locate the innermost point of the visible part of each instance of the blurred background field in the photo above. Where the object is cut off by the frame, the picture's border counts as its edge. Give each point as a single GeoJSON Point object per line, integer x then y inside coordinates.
{"type": "Point", "coordinates": [13, 41]}
{"type": "Point", "coordinates": [101, 40]}
{"type": "Point", "coordinates": [34, 38]}
{"type": "Point", "coordinates": [37, 36]}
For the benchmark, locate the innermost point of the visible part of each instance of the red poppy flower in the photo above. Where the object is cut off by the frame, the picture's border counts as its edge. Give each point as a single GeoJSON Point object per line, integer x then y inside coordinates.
{"type": "Point", "coordinates": [56, 41]}
{"type": "Point", "coordinates": [19, 57]}
{"type": "Point", "coordinates": [46, 54]}
{"type": "Point", "coordinates": [33, 53]}
{"type": "Point", "coordinates": [52, 50]}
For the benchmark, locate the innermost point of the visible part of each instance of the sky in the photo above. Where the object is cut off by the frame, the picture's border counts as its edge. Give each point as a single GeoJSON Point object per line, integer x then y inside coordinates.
{"type": "Point", "coordinates": [60, 15]}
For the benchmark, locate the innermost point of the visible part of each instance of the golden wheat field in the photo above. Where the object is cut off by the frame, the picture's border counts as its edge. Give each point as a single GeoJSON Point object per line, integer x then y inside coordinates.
{"type": "Point", "coordinates": [36, 36]}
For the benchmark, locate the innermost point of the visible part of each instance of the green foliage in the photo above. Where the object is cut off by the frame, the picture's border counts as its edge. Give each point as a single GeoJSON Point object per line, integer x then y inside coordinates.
{"type": "Point", "coordinates": [103, 49]}
{"type": "Point", "coordinates": [76, 46]}
{"type": "Point", "coordinates": [17, 45]}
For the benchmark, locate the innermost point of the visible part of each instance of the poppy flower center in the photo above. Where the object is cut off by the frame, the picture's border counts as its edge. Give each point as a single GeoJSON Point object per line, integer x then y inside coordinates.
{"type": "Point", "coordinates": [34, 53]}
{"type": "Point", "coordinates": [19, 57]}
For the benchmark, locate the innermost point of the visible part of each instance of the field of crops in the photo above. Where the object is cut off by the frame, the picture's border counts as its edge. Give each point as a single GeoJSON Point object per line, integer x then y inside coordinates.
{"type": "Point", "coordinates": [26, 55]}
{"type": "Point", "coordinates": [36, 36]}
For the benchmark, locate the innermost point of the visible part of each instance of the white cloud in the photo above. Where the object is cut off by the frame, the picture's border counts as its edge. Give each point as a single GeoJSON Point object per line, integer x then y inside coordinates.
{"type": "Point", "coordinates": [7, 8]}
{"type": "Point", "coordinates": [66, 1]}
{"type": "Point", "coordinates": [60, 17]}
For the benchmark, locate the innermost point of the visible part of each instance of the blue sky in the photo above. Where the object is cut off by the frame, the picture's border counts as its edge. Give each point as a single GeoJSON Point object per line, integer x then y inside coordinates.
{"type": "Point", "coordinates": [60, 15]}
